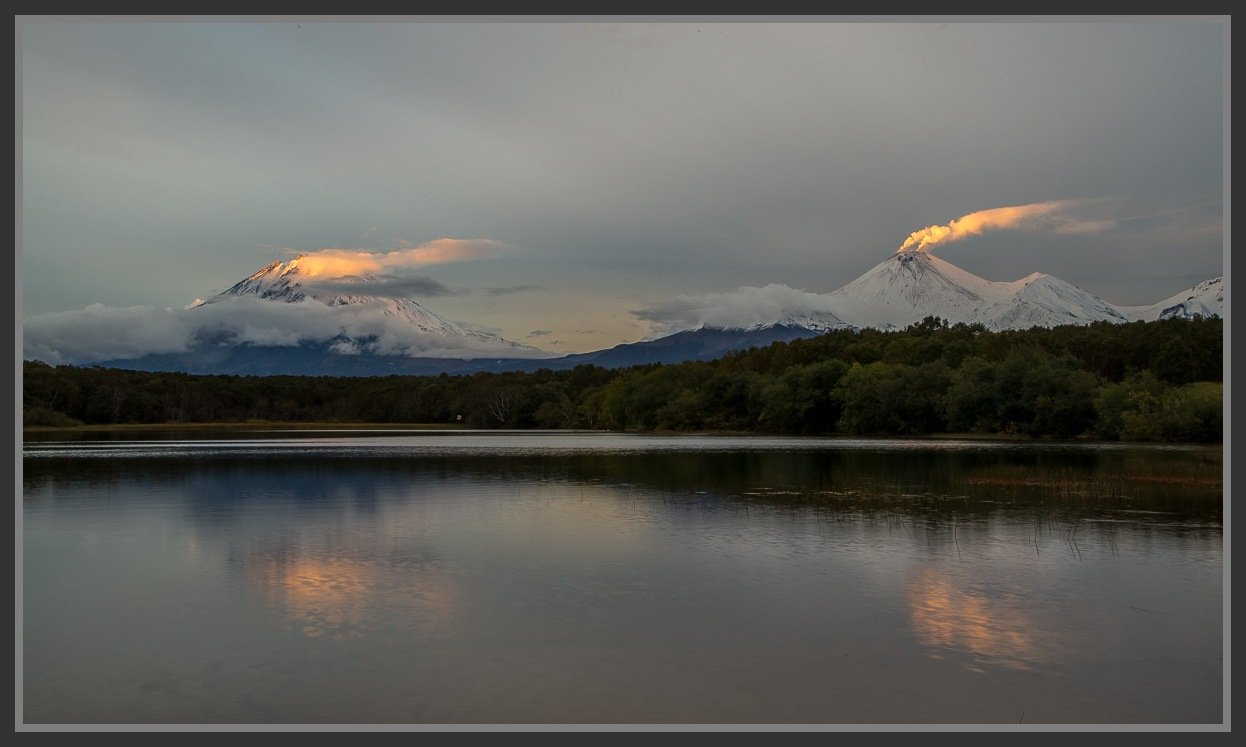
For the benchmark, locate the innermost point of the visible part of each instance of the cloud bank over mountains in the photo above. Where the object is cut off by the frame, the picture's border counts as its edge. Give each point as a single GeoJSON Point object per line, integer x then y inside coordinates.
{"type": "Point", "coordinates": [356, 301]}
{"type": "Point", "coordinates": [742, 308]}
{"type": "Point", "coordinates": [100, 333]}
{"type": "Point", "coordinates": [276, 307]}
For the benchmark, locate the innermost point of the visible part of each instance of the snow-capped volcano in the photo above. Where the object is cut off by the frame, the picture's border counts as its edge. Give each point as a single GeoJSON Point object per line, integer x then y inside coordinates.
{"type": "Point", "coordinates": [1203, 300]}
{"type": "Point", "coordinates": [369, 322]}
{"type": "Point", "coordinates": [912, 285]}
{"type": "Point", "coordinates": [305, 317]}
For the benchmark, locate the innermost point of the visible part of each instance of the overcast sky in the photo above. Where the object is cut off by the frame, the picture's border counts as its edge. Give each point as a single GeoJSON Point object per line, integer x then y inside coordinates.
{"type": "Point", "coordinates": [611, 167]}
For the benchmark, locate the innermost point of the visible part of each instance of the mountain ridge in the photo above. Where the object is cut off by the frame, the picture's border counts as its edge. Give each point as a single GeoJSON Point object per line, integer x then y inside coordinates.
{"type": "Point", "coordinates": [290, 282]}
{"type": "Point", "coordinates": [902, 290]}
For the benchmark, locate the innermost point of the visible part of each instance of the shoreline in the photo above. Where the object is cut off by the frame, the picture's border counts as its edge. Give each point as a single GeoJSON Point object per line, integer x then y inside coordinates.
{"type": "Point", "coordinates": [238, 425]}
{"type": "Point", "coordinates": [357, 426]}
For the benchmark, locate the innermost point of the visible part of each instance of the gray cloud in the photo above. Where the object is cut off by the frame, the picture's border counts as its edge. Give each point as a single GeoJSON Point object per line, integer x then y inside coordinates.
{"type": "Point", "coordinates": [99, 333]}
{"type": "Point", "coordinates": [540, 332]}
{"type": "Point", "coordinates": [741, 308]}
{"type": "Point", "coordinates": [393, 286]}
{"type": "Point", "coordinates": [710, 154]}
{"type": "Point", "coordinates": [509, 289]}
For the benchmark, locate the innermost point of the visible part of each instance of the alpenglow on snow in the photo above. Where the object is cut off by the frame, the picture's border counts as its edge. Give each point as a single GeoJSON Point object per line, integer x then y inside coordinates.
{"type": "Point", "coordinates": [371, 323]}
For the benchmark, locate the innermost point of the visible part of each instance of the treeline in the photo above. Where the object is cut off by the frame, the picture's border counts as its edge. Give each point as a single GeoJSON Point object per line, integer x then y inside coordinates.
{"type": "Point", "coordinates": [1141, 381]}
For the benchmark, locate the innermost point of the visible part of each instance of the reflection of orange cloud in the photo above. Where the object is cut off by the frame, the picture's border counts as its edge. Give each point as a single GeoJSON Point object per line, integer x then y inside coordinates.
{"type": "Point", "coordinates": [337, 262]}
{"type": "Point", "coordinates": [961, 619]}
{"type": "Point", "coordinates": [348, 597]}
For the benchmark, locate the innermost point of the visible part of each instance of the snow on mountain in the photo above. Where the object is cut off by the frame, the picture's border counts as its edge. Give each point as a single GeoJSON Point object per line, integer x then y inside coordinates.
{"type": "Point", "coordinates": [398, 325]}
{"type": "Point", "coordinates": [1203, 300]}
{"type": "Point", "coordinates": [910, 286]}
{"type": "Point", "coordinates": [292, 317]}
{"type": "Point", "coordinates": [1040, 300]}
{"type": "Point", "coordinates": [818, 322]}
{"type": "Point", "coordinates": [902, 290]}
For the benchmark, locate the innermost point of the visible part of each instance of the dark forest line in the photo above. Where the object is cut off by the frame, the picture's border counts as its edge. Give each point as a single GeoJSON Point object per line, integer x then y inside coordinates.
{"type": "Point", "coordinates": [1145, 381]}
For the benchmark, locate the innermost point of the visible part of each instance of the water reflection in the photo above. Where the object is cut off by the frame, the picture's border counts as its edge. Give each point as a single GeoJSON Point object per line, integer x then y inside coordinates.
{"type": "Point", "coordinates": [802, 586]}
{"type": "Point", "coordinates": [345, 596]}
{"type": "Point", "coordinates": [321, 597]}
{"type": "Point", "coordinates": [925, 478]}
{"type": "Point", "coordinates": [950, 617]}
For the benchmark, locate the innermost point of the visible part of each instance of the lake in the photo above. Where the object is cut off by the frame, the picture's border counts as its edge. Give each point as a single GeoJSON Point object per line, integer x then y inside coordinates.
{"type": "Point", "coordinates": [434, 577]}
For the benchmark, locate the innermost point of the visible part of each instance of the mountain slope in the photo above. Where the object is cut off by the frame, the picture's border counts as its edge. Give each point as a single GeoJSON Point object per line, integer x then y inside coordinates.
{"type": "Point", "coordinates": [320, 360]}
{"type": "Point", "coordinates": [1040, 300]}
{"type": "Point", "coordinates": [910, 286]}
{"type": "Point", "coordinates": [1203, 300]}
{"type": "Point", "coordinates": [690, 345]}
{"type": "Point", "coordinates": [293, 282]}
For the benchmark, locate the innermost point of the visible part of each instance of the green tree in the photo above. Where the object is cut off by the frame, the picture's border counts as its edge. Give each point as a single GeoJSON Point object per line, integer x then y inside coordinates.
{"type": "Point", "coordinates": [884, 398]}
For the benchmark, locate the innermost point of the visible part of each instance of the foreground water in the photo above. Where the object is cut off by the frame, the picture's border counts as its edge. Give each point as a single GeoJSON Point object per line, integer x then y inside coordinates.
{"type": "Point", "coordinates": [502, 578]}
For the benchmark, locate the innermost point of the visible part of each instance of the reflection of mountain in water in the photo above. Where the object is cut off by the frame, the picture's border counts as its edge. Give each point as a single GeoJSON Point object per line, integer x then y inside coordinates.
{"type": "Point", "coordinates": [1176, 484]}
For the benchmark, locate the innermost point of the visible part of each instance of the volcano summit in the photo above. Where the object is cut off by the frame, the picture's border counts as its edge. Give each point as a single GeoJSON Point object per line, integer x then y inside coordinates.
{"type": "Point", "coordinates": [371, 322]}
{"type": "Point", "coordinates": [911, 285]}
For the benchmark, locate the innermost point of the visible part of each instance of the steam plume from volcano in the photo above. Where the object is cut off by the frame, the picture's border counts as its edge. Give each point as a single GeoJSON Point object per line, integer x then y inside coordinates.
{"type": "Point", "coordinates": [339, 262]}
{"type": "Point", "coordinates": [1037, 215]}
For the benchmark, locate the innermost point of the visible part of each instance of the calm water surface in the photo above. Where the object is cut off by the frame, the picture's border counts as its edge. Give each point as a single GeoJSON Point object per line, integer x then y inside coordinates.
{"type": "Point", "coordinates": [434, 577]}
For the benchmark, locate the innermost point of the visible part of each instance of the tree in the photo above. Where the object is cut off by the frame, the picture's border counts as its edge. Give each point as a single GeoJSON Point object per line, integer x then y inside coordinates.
{"type": "Point", "coordinates": [885, 398]}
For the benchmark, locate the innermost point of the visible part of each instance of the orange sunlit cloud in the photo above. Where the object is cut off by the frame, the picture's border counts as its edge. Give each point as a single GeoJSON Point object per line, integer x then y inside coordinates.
{"type": "Point", "coordinates": [1034, 216]}
{"type": "Point", "coordinates": [337, 262]}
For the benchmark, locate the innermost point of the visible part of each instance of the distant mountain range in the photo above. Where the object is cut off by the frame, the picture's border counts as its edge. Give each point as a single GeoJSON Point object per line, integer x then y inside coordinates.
{"type": "Point", "coordinates": [318, 359]}
{"type": "Point", "coordinates": [903, 289]}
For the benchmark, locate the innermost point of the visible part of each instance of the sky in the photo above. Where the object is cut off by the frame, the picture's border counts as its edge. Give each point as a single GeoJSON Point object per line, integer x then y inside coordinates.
{"type": "Point", "coordinates": [591, 174]}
